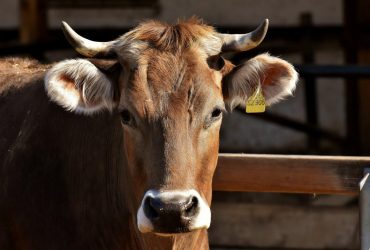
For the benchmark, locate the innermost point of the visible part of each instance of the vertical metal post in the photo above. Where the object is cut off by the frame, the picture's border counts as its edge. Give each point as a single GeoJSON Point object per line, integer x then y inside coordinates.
{"type": "Point", "coordinates": [33, 25]}
{"type": "Point", "coordinates": [352, 103]}
{"type": "Point", "coordinates": [310, 81]}
{"type": "Point", "coordinates": [365, 210]}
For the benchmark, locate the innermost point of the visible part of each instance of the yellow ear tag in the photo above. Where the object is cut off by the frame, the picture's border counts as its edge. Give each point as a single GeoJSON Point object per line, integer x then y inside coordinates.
{"type": "Point", "coordinates": [256, 103]}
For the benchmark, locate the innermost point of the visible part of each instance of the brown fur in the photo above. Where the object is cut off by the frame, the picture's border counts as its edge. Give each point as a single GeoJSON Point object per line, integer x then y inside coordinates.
{"type": "Point", "coordinates": [64, 187]}
{"type": "Point", "coordinates": [14, 72]}
{"type": "Point", "coordinates": [46, 192]}
{"type": "Point", "coordinates": [67, 188]}
{"type": "Point", "coordinates": [72, 181]}
{"type": "Point", "coordinates": [166, 37]}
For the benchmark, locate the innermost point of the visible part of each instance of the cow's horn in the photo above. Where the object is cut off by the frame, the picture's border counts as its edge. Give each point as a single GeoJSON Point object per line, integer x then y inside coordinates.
{"type": "Point", "coordinates": [244, 42]}
{"type": "Point", "coordinates": [85, 46]}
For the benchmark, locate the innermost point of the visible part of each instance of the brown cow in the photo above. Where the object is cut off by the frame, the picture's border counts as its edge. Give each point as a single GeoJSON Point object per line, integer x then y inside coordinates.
{"type": "Point", "coordinates": [120, 154]}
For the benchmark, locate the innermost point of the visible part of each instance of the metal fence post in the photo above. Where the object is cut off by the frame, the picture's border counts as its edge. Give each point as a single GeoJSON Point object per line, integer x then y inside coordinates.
{"type": "Point", "coordinates": [365, 210]}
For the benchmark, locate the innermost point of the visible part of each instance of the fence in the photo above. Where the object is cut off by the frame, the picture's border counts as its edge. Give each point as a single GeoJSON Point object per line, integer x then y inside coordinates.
{"type": "Point", "coordinates": [299, 174]}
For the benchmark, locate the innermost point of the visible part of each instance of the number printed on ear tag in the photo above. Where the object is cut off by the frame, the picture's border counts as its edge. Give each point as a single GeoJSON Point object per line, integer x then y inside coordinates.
{"type": "Point", "coordinates": [256, 103]}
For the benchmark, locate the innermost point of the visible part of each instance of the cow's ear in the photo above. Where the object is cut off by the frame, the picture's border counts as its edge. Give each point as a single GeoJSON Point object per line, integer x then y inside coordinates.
{"type": "Point", "coordinates": [83, 86]}
{"type": "Point", "coordinates": [274, 76]}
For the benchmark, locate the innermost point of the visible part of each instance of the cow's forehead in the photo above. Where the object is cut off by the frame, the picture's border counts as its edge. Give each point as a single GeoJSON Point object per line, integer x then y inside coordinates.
{"type": "Point", "coordinates": [168, 65]}
{"type": "Point", "coordinates": [171, 38]}
{"type": "Point", "coordinates": [165, 81]}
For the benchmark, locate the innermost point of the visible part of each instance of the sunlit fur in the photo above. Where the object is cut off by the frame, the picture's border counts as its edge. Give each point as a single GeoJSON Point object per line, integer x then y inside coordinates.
{"type": "Point", "coordinates": [79, 86]}
{"type": "Point", "coordinates": [192, 33]}
{"type": "Point", "coordinates": [275, 77]}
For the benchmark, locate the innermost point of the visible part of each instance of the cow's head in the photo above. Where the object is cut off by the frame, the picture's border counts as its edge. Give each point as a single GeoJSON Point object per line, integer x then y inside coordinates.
{"type": "Point", "coordinates": [171, 86]}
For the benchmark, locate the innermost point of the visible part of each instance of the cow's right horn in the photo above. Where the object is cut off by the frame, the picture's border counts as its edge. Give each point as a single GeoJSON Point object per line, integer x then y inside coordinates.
{"type": "Point", "coordinates": [244, 42]}
{"type": "Point", "coordinates": [85, 46]}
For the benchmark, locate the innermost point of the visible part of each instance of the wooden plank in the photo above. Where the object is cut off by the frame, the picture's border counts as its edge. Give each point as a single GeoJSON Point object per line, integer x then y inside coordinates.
{"type": "Point", "coordinates": [289, 173]}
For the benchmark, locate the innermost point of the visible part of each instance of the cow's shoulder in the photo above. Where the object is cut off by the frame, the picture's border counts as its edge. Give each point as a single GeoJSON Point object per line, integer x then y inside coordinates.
{"type": "Point", "coordinates": [16, 73]}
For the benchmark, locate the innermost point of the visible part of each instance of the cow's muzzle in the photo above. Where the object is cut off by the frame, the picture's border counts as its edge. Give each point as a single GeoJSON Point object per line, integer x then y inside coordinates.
{"type": "Point", "coordinates": [172, 212]}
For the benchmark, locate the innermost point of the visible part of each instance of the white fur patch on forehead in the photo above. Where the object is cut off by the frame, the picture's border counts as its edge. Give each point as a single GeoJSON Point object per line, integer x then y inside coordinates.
{"type": "Point", "coordinates": [79, 86]}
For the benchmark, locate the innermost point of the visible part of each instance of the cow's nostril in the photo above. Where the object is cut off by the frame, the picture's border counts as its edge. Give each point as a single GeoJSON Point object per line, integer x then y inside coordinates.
{"type": "Point", "coordinates": [192, 207]}
{"type": "Point", "coordinates": [151, 207]}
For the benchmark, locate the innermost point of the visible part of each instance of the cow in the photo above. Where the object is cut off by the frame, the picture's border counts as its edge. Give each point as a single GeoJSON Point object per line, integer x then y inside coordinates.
{"type": "Point", "coordinates": [117, 150]}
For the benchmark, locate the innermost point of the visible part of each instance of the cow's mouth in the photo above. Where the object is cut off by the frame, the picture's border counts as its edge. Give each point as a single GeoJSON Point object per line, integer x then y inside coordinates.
{"type": "Point", "coordinates": [173, 212]}
{"type": "Point", "coordinates": [168, 232]}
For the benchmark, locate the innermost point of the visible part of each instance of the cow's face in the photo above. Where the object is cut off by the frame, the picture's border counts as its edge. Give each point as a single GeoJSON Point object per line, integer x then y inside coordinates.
{"type": "Point", "coordinates": [171, 110]}
{"type": "Point", "coordinates": [170, 86]}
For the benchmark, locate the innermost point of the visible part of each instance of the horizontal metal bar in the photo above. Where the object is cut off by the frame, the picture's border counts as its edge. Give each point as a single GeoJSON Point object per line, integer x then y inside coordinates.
{"type": "Point", "coordinates": [289, 173]}
{"type": "Point", "coordinates": [333, 70]}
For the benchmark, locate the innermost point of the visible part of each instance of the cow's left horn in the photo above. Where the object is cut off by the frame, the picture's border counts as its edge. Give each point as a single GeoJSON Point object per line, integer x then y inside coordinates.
{"type": "Point", "coordinates": [85, 46]}
{"type": "Point", "coordinates": [244, 42]}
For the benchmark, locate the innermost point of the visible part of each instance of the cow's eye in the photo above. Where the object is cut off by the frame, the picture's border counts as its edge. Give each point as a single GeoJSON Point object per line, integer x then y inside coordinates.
{"type": "Point", "coordinates": [216, 113]}
{"type": "Point", "coordinates": [214, 116]}
{"type": "Point", "coordinates": [126, 117]}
